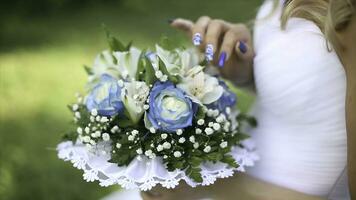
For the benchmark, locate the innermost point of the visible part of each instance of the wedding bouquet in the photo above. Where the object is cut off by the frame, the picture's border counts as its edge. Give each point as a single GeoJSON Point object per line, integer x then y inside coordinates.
{"type": "Point", "coordinates": [156, 117]}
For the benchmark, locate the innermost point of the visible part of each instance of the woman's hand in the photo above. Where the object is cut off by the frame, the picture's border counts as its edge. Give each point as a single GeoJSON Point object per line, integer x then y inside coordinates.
{"type": "Point", "coordinates": [228, 46]}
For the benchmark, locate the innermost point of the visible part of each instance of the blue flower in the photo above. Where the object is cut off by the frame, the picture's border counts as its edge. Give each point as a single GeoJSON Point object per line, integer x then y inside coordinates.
{"type": "Point", "coordinates": [170, 109]}
{"type": "Point", "coordinates": [227, 99]}
{"type": "Point", "coordinates": [105, 97]}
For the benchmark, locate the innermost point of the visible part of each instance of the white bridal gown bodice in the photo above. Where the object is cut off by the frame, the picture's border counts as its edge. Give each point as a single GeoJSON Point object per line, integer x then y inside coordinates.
{"type": "Point", "coordinates": [301, 87]}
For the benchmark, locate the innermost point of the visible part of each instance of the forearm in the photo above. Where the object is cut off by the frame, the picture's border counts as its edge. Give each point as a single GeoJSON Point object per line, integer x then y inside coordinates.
{"type": "Point", "coordinates": [351, 133]}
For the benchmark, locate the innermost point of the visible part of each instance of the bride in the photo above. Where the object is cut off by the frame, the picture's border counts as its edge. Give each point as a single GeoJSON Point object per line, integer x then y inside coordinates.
{"type": "Point", "coordinates": [300, 90]}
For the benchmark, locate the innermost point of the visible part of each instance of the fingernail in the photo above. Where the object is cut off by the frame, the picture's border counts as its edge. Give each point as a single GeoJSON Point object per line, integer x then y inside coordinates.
{"type": "Point", "coordinates": [243, 47]}
{"type": "Point", "coordinates": [171, 20]}
{"type": "Point", "coordinates": [209, 52]}
{"type": "Point", "coordinates": [222, 59]}
{"type": "Point", "coordinates": [197, 39]}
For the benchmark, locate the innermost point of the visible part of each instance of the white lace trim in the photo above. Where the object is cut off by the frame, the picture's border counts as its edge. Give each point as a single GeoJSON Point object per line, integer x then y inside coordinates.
{"type": "Point", "coordinates": [144, 173]}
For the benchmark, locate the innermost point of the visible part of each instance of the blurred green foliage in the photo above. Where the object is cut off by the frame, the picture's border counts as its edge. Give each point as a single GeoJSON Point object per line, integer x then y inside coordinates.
{"type": "Point", "coordinates": [41, 59]}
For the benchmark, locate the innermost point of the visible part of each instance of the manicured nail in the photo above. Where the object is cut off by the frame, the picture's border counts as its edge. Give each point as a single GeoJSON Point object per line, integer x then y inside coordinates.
{"type": "Point", "coordinates": [197, 39]}
{"type": "Point", "coordinates": [243, 47]}
{"type": "Point", "coordinates": [171, 20]}
{"type": "Point", "coordinates": [209, 52]}
{"type": "Point", "coordinates": [222, 59]}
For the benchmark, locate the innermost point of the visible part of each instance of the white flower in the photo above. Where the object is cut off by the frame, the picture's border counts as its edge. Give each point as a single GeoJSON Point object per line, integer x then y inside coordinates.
{"type": "Point", "coordinates": [159, 148]}
{"type": "Point", "coordinates": [158, 74]}
{"type": "Point", "coordinates": [211, 124]}
{"type": "Point", "coordinates": [164, 136]}
{"type": "Point", "coordinates": [148, 153]}
{"type": "Point", "coordinates": [221, 118]}
{"type": "Point", "coordinates": [139, 151]}
{"type": "Point", "coordinates": [192, 139]}
{"type": "Point", "coordinates": [216, 126]}
{"type": "Point", "coordinates": [167, 145]}
{"type": "Point", "coordinates": [146, 106]}
{"type": "Point", "coordinates": [96, 134]}
{"type": "Point", "coordinates": [179, 131]}
{"type": "Point", "coordinates": [127, 62]}
{"type": "Point", "coordinates": [152, 130]}
{"type": "Point", "coordinates": [181, 140]}
{"type": "Point", "coordinates": [134, 132]}
{"type": "Point", "coordinates": [177, 154]}
{"type": "Point", "coordinates": [201, 88]}
{"type": "Point", "coordinates": [98, 118]}
{"type": "Point", "coordinates": [87, 130]}
{"type": "Point", "coordinates": [207, 149]}
{"type": "Point", "coordinates": [201, 122]}
{"type": "Point", "coordinates": [104, 120]}
{"type": "Point", "coordinates": [106, 137]}
{"type": "Point", "coordinates": [75, 107]}
{"type": "Point", "coordinates": [92, 142]}
{"type": "Point", "coordinates": [198, 131]}
{"type": "Point", "coordinates": [94, 112]}
{"type": "Point", "coordinates": [223, 144]}
{"type": "Point", "coordinates": [86, 139]}
{"type": "Point", "coordinates": [120, 82]}
{"type": "Point", "coordinates": [196, 145]}
{"type": "Point", "coordinates": [209, 131]}
{"type": "Point", "coordinates": [104, 64]}
{"type": "Point", "coordinates": [77, 115]}
{"type": "Point", "coordinates": [79, 130]}
{"type": "Point", "coordinates": [131, 138]}
{"type": "Point", "coordinates": [118, 145]}
{"type": "Point", "coordinates": [114, 129]}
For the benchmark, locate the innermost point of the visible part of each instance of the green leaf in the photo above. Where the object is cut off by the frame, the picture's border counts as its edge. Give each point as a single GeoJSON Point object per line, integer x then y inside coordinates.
{"type": "Point", "coordinates": [163, 68]}
{"type": "Point", "coordinates": [140, 67]}
{"type": "Point", "coordinates": [215, 156]}
{"type": "Point", "coordinates": [128, 46]}
{"type": "Point", "coordinates": [196, 161]}
{"type": "Point", "coordinates": [200, 113]}
{"type": "Point", "coordinates": [114, 44]}
{"type": "Point", "coordinates": [167, 44]}
{"type": "Point", "coordinates": [150, 76]}
{"type": "Point", "coordinates": [88, 70]}
{"type": "Point", "coordinates": [194, 173]}
{"type": "Point", "coordinates": [228, 159]}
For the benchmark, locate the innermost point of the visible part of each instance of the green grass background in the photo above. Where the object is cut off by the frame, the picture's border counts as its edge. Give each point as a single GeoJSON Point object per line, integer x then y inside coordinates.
{"type": "Point", "coordinates": [41, 61]}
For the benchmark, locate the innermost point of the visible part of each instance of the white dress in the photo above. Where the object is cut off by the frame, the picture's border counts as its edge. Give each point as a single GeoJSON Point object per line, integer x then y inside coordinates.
{"type": "Point", "coordinates": [301, 89]}
{"type": "Point", "coordinates": [300, 108]}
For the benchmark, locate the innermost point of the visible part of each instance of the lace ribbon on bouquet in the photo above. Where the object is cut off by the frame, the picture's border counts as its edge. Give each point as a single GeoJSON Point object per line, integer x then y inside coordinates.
{"type": "Point", "coordinates": [144, 173]}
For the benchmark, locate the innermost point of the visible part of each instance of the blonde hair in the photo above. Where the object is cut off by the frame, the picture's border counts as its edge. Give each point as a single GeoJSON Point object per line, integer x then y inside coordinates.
{"type": "Point", "coordinates": [330, 16]}
{"type": "Point", "coordinates": [340, 13]}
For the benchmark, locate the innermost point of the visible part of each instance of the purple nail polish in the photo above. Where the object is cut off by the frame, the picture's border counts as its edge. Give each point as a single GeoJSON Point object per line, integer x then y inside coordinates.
{"type": "Point", "coordinates": [209, 52]}
{"type": "Point", "coordinates": [243, 47]}
{"type": "Point", "coordinates": [197, 39]}
{"type": "Point", "coordinates": [222, 59]}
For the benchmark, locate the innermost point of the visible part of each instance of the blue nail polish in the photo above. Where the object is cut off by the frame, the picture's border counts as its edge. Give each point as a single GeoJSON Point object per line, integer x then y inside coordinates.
{"type": "Point", "coordinates": [243, 47]}
{"type": "Point", "coordinates": [209, 52]}
{"type": "Point", "coordinates": [197, 39]}
{"type": "Point", "coordinates": [222, 59]}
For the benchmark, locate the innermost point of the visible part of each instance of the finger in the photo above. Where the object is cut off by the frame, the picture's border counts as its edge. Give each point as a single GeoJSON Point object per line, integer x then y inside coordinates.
{"type": "Point", "coordinates": [199, 30]}
{"type": "Point", "coordinates": [244, 50]}
{"type": "Point", "coordinates": [183, 25]}
{"type": "Point", "coordinates": [227, 47]}
{"type": "Point", "coordinates": [214, 33]}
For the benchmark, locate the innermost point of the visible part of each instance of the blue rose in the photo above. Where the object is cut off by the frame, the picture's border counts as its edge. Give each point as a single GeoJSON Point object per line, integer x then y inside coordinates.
{"type": "Point", "coordinates": [227, 99]}
{"type": "Point", "coordinates": [169, 109]}
{"type": "Point", "coordinates": [105, 97]}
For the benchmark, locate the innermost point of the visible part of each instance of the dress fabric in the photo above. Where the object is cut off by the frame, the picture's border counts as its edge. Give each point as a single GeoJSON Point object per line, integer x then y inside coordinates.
{"type": "Point", "coordinates": [301, 88]}
{"type": "Point", "coordinates": [300, 106]}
